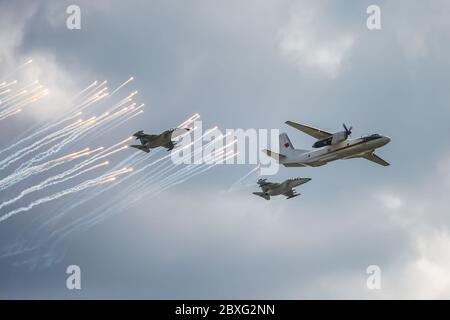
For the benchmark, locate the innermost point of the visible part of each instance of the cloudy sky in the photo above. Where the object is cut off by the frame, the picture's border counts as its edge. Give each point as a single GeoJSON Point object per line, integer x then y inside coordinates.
{"type": "Point", "coordinates": [250, 64]}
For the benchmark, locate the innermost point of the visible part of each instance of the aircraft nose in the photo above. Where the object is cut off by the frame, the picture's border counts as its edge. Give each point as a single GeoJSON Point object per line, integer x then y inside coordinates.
{"type": "Point", "coordinates": [386, 139]}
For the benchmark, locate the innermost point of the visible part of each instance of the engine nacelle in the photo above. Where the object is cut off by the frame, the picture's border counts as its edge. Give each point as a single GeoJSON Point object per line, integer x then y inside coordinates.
{"type": "Point", "coordinates": [333, 139]}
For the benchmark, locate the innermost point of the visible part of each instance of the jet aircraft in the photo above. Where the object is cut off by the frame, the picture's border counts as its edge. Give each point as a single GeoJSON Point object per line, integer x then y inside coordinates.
{"type": "Point", "coordinates": [151, 141]}
{"type": "Point", "coordinates": [285, 188]}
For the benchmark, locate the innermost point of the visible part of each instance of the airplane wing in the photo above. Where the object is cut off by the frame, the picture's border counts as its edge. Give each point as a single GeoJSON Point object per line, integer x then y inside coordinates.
{"type": "Point", "coordinates": [149, 137]}
{"type": "Point", "coordinates": [314, 132]}
{"type": "Point", "coordinates": [169, 146]}
{"type": "Point", "coordinates": [262, 195]}
{"type": "Point", "coordinates": [143, 148]}
{"type": "Point", "coordinates": [374, 158]}
{"type": "Point", "coordinates": [289, 193]}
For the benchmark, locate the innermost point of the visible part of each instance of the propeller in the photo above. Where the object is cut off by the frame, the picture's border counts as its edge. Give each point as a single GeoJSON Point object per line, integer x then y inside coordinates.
{"type": "Point", "coordinates": [348, 131]}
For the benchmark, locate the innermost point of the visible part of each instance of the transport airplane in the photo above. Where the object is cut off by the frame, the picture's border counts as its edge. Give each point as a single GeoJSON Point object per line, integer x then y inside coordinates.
{"type": "Point", "coordinates": [330, 147]}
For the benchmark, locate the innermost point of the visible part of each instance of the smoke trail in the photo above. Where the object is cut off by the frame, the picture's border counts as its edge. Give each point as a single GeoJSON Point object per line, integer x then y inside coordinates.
{"type": "Point", "coordinates": [195, 174]}
{"type": "Point", "coordinates": [39, 168]}
{"type": "Point", "coordinates": [242, 179]}
{"type": "Point", "coordinates": [55, 148]}
{"type": "Point", "coordinates": [120, 205]}
{"type": "Point", "coordinates": [122, 85]}
{"type": "Point", "coordinates": [92, 195]}
{"type": "Point", "coordinates": [97, 192]}
{"type": "Point", "coordinates": [106, 130]}
{"type": "Point", "coordinates": [101, 155]}
{"type": "Point", "coordinates": [139, 185]}
{"type": "Point", "coordinates": [49, 182]}
{"type": "Point", "coordinates": [83, 91]}
{"type": "Point", "coordinates": [10, 98]}
{"type": "Point", "coordinates": [23, 91]}
{"type": "Point", "coordinates": [77, 166]}
{"type": "Point", "coordinates": [71, 132]}
{"type": "Point", "coordinates": [92, 100]}
{"type": "Point", "coordinates": [114, 118]}
{"type": "Point", "coordinates": [13, 105]}
{"type": "Point", "coordinates": [89, 92]}
{"type": "Point", "coordinates": [149, 173]}
{"type": "Point", "coordinates": [47, 139]}
{"type": "Point", "coordinates": [188, 121]}
{"type": "Point", "coordinates": [52, 221]}
{"type": "Point", "coordinates": [183, 172]}
{"type": "Point", "coordinates": [11, 113]}
{"type": "Point", "coordinates": [9, 84]}
{"type": "Point", "coordinates": [4, 92]}
{"type": "Point", "coordinates": [80, 187]}
{"type": "Point", "coordinates": [218, 157]}
{"type": "Point", "coordinates": [19, 176]}
{"type": "Point", "coordinates": [190, 155]}
{"type": "Point", "coordinates": [77, 134]}
{"type": "Point", "coordinates": [216, 153]}
{"type": "Point", "coordinates": [40, 131]}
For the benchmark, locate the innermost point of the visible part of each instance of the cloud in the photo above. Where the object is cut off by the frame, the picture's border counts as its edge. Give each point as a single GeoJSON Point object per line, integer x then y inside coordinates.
{"type": "Point", "coordinates": [11, 34]}
{"type": "Point", "coordinates": [44, 68]}
{"type": "Point", "coordinates": [305, 41]}
{"type": "Point", "coordinates": [390, 201]}
{"type": "Point", "coordinates": [427, 276]}
{"type": "Point", "coordinates": [191, 243]}
{"type": "Point", "coordinates": [420, 32]}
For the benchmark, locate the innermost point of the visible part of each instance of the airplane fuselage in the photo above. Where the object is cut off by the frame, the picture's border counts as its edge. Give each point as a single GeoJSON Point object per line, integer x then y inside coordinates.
{"type": "Point", "coordinates": [276, 189]}
{"type": "Point", "coordinates": [151, 141]}
{"type": "Point", "coordinates": [350, 148]}
{"type": "Point", "coordinates": [158, 141]}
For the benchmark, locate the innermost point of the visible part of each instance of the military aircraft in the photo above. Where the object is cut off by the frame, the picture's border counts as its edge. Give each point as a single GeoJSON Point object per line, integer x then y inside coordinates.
{"type": "Point", "coordinates": [331, 146]}
{"type": "Point", "coordinates": [285, 188]}
{"type": "Point", "coordinates": [151, 141]}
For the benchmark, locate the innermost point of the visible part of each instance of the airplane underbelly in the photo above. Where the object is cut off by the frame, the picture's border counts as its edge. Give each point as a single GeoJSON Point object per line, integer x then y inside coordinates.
{"type": "Point", "coordinates": [275, 192]}
{"type": "Point", "coordinates": [344, 153]}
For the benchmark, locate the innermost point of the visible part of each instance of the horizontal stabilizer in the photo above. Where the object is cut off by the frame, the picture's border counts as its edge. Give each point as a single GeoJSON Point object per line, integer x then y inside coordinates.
{"type": "Point", "coordinates": [374, 158]}
{"type": "Point", "coordinates": [274, 155]}
{"type": "Point", "coordinates": [262, 195]}
{"type": "Point", "coordinates": [138, 134]}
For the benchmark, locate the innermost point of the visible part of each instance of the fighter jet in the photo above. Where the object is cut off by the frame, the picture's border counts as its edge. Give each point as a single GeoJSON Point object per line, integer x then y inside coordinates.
{"type": "Point", "coordinates": [331, 146]}
{"type": "Point", "coordinates": [151, 141]}
{"type": "Point", "coordinates": [285, 188]}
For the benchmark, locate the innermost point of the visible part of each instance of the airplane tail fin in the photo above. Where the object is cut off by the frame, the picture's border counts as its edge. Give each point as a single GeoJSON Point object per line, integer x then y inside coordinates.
{"type": "Point", "coordinates": [286, 146]}
{"type": "Point", "coordinates": [286, 149]}
{"type": "Point", "coordinates": [285, 143]}
{"type": "Point", "coordinates": [262, 195]}
{"type": "Point", "coordinates": [138, 134]}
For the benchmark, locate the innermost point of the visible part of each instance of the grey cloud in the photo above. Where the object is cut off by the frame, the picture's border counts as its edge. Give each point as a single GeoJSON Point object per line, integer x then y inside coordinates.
{"type": "Point", "coordinates": [225, 62]}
